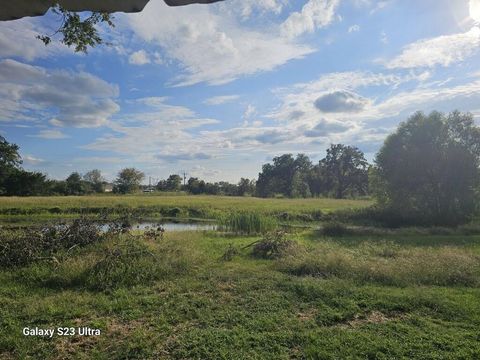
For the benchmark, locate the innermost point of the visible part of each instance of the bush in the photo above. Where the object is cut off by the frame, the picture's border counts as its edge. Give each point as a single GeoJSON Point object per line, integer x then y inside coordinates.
{"type": "Point", "coordinates": [174, 212]}
{"type": "Point", "coordinates": [125, 265]}
{"type": "Point", "coordinates": [55, 210]}
{"type": "Point", "coordinates": [230, 253]}
{"type": "Point", "coordinates": [21, 247]}
{"type": "Point", "coordinates": [273, 245]}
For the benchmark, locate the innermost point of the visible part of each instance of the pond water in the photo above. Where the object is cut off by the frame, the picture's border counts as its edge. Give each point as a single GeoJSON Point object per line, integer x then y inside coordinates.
{"type": "Point", "coordinates": [172, 226]}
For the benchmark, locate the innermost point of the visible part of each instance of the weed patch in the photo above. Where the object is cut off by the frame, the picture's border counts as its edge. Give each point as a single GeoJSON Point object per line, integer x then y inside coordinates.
{"type": "Point", "coordinates": [248, 223]}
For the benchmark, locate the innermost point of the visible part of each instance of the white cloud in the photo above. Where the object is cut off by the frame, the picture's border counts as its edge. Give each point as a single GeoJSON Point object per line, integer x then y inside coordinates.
{"type": "Point", "coordinates": [247, 8]}
{"type": "Point", "coordinates": [341, 101]}
{"type": "Point", "coordinates": [298, 101]}
{"type": "Point", "coordinates": [379, 6]}
{"type": "Point", "coordinates": [392, 98]}
{"type": "Point", "coordinates": [161, 132]}
{"type": "Point", "coordinates": [384, 38]}
{"type": "Point", "coordinates": [203, 173]}
{"type": "Point", "coordinates": [139, 57]}
{"type": "Point", "coordinates": [51, 134]}
{"type": "Point", "coordinates": [354, 28]}
{"type": "Point", "coordinates": [72, 98]}
{"type": "Point", "coordinates": [18, 39]}
{"type": "Point", "coordinates": [223, 99]}
{"type": "Point", "coordinates": [32, 160]}
{"type": "Point", "coordinates": [249, 111]}
{"type": "Point", "coordinates": [474, 7]}
{"type": "Point", "coordinates": [443, 50]}
{"type": "Point", "coordinates": [210, 45]}
{"type": "Point", "coordinates": [314, 15]}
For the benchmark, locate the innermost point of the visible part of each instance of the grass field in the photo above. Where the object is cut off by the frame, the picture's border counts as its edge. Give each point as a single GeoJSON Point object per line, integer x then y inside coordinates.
{"type": "Point", "coordinates": [151, 205]}
{"type": "Point", "coordinates": [365, 293]}
{"type": "Point", "coordinates": [215, 202]}
{"type": "Point", "coordinates": [370, 297]}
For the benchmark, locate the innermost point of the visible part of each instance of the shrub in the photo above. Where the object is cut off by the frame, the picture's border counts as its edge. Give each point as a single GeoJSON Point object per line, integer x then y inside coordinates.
{"type": "Point", "coordinates": [230, 253]}
{"type": "Point", "coordinates": [125, 265]}
{"type": "Point", "coordinates": [21, 247]}
{"type": "Point", "coordinates": [154, 233]}
{"type": "Point", "coordinates": [55, 210]}
{"type": "Point", "coordinates": [273, 245]}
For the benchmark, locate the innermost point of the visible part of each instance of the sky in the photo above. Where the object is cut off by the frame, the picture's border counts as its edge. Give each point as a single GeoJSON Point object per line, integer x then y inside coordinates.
{"type": "Point", "coordinates": [218, 90]}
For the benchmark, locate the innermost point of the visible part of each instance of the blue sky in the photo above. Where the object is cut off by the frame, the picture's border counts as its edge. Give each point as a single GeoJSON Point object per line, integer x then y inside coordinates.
{"type": "Point", "coordinates": [218, 90]}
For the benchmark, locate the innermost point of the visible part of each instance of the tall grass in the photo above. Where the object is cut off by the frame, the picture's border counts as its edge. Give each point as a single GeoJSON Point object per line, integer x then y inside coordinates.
{"type": "Point", "coordinates": [244, 222]}
{"type": "Point", "coordinates": [387, 264]}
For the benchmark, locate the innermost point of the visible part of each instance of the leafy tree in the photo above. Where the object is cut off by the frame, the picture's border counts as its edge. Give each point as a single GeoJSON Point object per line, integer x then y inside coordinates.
{"type": "Point", "coordinates": [277, 178]}
{"type": "Point", "coordinates": [128, 180]}
{"type": "Point", "coordinates": [317, 181]}
{"type": "Point", "coordinates": [75, 185]}
{"type": "Point", "coordinates": [10, 160]}
{"type": "Point", "coordinates": [95, 180]}
{"type": "Point", "coordinates": [300, 187]}
{"type": "Point", "coordinates": [25, 183]}
{"type": "Point", "coordinates": [78, 32]}
{"type": "Point", "coordinates": [429, 168]}
{"type": "Point", "coordinates": [195, 186]}
{"type": "Point", "coordinates": [345, 170]}
{"type": "Point", "coordinates": [57, 187]}
{"type": "Point", "coordinates": [174, 182]}
{"type": "Point", "coordinates": [245, 187]}
{"type": "Point", "coordinates": [9, 156]}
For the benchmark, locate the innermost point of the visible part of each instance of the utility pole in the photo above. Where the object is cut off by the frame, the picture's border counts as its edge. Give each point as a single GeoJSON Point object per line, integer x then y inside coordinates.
{"type": "Point", "coordinates": [184, 175]}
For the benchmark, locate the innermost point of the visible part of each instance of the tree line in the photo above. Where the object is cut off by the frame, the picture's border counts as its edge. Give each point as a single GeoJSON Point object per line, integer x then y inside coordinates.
{"type": "Point", "coordinates": [428, 168]}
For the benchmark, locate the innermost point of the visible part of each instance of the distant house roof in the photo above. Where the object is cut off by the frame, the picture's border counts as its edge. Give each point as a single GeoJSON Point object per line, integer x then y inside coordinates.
{"type": "Point", "coordinates": [15, 9]}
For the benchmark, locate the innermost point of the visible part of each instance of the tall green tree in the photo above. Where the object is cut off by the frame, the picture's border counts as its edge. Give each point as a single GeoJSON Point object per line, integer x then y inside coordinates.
{"type": "Point", "coordinates": [346, 171]}
{"type": "Point", "coordinates": [174, 182]}
{"type": "Point", "coordinates": [245, 187]}
{"type": "Point", "coordinates": [95, 180]}
{"type": "Point", "coordinates": [195, 186]}
{"type": "Point", "coordinates": [10, 161]}
{"type": "Point", "coordinates": [429, 168]}
{"type": "Point", "coordinates": [278, 178]}
{"type": "Point", "coordinates": [9, 156]}
{"type": "Point", "coordinates": [128, 180]}
{"type": "Point", "coordinates": [75, 185]}
{"type": "Point", "coordinates": [26, 183]}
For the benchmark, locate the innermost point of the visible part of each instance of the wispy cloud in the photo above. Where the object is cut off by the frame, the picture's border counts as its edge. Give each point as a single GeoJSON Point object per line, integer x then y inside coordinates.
{"type": "Point", "coordinates": [314, 15]}
{"type": "Point", "coordinates": [443, 50]}
{"type": "Point", "coordinates": [77, 98]}
{"type": "Point", "coordinates": [50, 134]}
{"type": "Point", "coordinates": [223, 99]}
{"type": "Point", "coordinates": [139, 57]}
{"type": "Point", "coordinates": [210, 44]}
{"type": "Point", "coordinates": [354, 28]}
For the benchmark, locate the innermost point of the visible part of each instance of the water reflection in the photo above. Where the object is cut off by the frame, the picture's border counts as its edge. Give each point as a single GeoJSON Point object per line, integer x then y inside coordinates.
{"type": "Point", "coordinates": [171, 226]}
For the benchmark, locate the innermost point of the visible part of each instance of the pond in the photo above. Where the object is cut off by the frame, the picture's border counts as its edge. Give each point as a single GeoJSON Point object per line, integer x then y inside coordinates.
{"type": "Point", "coordinates": [173, 226]}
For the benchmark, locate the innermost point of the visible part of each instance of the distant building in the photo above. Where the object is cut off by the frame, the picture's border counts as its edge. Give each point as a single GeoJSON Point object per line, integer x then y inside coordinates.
{"type": "Point", "coordinates": [108, 188]}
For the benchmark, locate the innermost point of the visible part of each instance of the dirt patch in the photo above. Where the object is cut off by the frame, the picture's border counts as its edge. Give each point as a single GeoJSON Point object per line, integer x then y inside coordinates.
{"type": "Point", "coordinates": [375, 317]}
{"type": "Point", "coordinates": [307, 315]}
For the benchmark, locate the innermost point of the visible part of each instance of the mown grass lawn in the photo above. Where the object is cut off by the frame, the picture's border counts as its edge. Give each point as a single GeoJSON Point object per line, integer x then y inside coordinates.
{"type": "Point", "coordinates": [369, 297]}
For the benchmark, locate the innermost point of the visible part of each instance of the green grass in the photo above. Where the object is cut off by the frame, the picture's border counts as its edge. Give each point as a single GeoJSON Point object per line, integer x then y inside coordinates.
{"type": "Point", "coordinates": [16, 208]}
{"type": "Point", "coordinates": [367, 297]}
{"type": "Point", "coordinates": [244, 222]}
